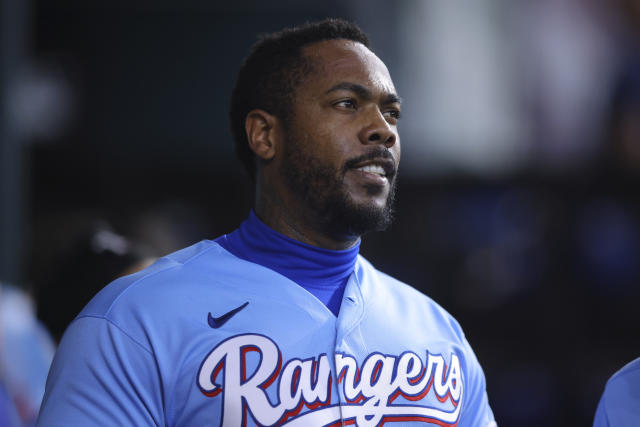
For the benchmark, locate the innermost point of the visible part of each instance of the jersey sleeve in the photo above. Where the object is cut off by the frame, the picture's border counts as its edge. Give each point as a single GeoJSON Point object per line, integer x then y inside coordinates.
{"type": "Point", "coordinates": [620, 402]}
{"type": "Point", "coordinates": [100, 376]}
{"type": "Point", "coordinates": [476, 412]}
{"type": "Point", "coordinates": [601, 419]}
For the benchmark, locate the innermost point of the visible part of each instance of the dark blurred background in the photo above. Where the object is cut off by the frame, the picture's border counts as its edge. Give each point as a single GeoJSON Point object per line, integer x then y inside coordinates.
{"type": "Point", "coordinates": [518, 204]}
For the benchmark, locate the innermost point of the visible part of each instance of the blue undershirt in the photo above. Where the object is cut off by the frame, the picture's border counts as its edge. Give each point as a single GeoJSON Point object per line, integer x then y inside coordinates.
{"type": "Point", "coordinates": [322, 272]}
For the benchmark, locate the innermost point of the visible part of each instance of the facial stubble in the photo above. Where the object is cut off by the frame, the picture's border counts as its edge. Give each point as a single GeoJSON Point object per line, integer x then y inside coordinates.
{"type": "Point", "coordinates": [322, 188]}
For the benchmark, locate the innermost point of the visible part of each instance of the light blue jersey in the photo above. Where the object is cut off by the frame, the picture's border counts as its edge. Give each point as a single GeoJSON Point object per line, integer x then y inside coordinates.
{"type": "Point", "coordinates": [620, 402]}
{"type": "Point", "coordinates": [204, 338]}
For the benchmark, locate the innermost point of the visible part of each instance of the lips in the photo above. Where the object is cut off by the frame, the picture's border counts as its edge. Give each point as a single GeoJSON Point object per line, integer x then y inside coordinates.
{"type": "Point", "coordinates": [374, 169]}
{"type": "Point", "coordinates": [384, 167]}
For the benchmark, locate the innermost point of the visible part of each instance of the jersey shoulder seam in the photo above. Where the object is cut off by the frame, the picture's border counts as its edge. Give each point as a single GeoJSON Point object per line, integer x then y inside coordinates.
{"type": "Point", "coordinates": [629, 369]}
{"type": "Point", "coordinates": [118, 327]}
{"type": "Point", "coordinates": [169, 267]}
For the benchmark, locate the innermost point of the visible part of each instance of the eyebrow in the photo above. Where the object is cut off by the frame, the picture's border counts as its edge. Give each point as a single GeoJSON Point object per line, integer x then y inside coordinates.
{"type": "Point", "coordinates": [365, 92]}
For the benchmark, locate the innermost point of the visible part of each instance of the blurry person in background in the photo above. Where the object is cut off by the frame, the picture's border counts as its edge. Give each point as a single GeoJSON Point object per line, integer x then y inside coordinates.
{"type": "Point", "coordinates": [620, 402]}
{"type": "Point", "coordinates": [26, 351]}
{"type": "Point", "coordinates": [98, 256]}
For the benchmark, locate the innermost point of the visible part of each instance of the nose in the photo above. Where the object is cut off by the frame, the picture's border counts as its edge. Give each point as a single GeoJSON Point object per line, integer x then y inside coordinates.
{"type": "Point", "coordinates": [378, 130]}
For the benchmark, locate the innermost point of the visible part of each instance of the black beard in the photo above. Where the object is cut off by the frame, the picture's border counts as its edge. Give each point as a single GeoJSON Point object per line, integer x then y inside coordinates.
{"type": "Point", "coordinates": [321, 187]}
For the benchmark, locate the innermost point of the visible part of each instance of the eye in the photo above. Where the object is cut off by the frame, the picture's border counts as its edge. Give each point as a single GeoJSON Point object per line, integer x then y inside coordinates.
{"type": "Point", "coordinates": [392, 113]}
{"type": "Point", "coordinates": [348, 104]}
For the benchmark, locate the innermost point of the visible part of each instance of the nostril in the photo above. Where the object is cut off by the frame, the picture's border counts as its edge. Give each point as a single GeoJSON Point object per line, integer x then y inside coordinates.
{"type": "Point", "coordinates": [374, 137]}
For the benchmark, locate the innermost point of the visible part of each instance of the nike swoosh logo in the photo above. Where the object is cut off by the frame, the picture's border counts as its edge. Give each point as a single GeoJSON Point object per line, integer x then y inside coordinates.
{"type": "Point", "coordinates": [216, 322]}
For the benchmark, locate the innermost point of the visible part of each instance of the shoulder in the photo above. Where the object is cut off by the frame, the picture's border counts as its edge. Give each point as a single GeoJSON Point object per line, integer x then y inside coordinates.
{"type": "Point", "coordinates": [156, 277]}
{"type": "Point", "coordinates": [167, 290]}
{"type": "Point", "coordinates": [623, 382]}
{"type": "Point", "coordinates": [619, 401]}
{"type": "Point", "coordinates": [384, 293]}
{"type": "Point", "coordinates": [150, 301]}
{"type": "Point", "coordinates": [630, 370]}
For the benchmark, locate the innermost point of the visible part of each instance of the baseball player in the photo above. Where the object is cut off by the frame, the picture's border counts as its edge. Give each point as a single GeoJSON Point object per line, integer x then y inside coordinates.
{"type": "Point", "coordinates": [281, 322]}
{"type": "Point", "coordinates": [620, 403]}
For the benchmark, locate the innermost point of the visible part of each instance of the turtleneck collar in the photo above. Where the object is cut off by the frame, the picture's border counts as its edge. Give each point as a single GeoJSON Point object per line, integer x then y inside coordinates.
{"type": "Point", "coordinates": [323, 272]}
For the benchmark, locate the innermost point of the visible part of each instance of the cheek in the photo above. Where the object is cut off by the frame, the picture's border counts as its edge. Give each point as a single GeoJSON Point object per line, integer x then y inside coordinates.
{"type": "Point", "coordinates": [330, 147]}
{"type": "Point", "coordinates": [337, 153]}
{"type": "Point", "coordinates": [397, 150]}
{"type": "Point", "coordinates": [330, 138]}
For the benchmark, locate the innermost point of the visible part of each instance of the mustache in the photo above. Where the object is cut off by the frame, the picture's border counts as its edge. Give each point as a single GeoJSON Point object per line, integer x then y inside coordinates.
{"type": "Point", "coordinates": [374, 154]}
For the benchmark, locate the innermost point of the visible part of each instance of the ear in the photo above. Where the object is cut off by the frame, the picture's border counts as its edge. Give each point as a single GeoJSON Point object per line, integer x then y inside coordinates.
{"type": "Point", "coordinates": [263, 133]}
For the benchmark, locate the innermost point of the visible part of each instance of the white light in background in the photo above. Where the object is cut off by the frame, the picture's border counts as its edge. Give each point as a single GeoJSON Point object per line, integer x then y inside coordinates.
{"type": "Point", "coordinates": [40, 102]}
{"type": "Point", "coordinates": [461, 112]}
{"type": "Point", "coordinates": [492, 86]}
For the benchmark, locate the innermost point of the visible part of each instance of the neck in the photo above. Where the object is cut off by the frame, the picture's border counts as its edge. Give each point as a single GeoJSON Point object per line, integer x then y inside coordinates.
{"type": "Point", "coordinates": [322, 272]}
{"type": "Point", "coordinates": [296, 221]}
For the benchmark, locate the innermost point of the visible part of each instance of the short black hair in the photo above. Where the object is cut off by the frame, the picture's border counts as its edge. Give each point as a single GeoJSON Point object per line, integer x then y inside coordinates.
{"type": "Point", "coordinates": [272, 71]}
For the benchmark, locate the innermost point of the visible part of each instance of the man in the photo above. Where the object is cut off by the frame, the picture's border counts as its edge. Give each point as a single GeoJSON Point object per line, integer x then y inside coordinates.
{"type": "Point", "coordinates": [620, 403]}
{"type": "Point", "coordinates": [281, 322]}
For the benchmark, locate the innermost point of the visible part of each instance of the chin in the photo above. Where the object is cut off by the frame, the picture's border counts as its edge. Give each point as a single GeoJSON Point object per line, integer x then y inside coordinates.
{"type": "Point", "coordinates": [358, 218]}
{"type": "Point", "coordinates": [372, 211]}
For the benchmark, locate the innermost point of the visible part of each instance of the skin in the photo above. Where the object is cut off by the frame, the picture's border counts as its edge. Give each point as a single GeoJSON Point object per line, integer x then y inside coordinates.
{"type": "Point", "coordinates": [347, 109]}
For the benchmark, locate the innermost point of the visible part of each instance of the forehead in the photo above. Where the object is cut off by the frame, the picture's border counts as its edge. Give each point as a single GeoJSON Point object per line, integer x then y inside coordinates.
{"type": "Point", "coordinates": [340, 60]}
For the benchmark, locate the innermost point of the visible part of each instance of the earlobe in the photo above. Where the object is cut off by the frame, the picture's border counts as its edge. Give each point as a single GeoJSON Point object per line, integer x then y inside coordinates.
{"type": "Point", "coordinates": [261, 128]}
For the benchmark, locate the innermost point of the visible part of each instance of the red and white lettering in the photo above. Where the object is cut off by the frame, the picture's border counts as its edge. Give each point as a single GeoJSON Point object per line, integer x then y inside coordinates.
{"type": "Point", "coordinates": [370, 391]}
